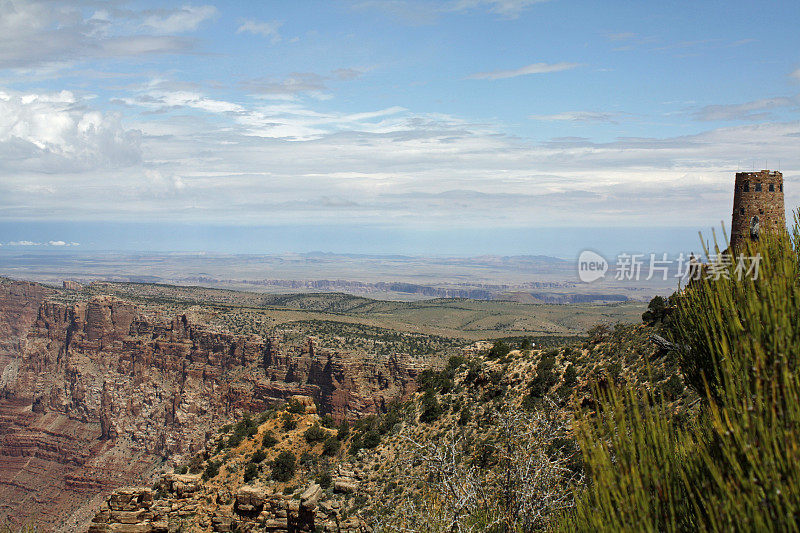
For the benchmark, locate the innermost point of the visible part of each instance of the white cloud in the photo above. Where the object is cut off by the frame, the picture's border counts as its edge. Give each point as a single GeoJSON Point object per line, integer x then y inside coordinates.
{"type": "Point", "coordinates": [49, 243]}
{"type": "Point", "coordinates": [58, 132]}
{"type": "Point", "coordinates": [186, 18]}
{"type": "Point", "coordinates": [265, 29]}
{"type": "Point", "coordinates": [299, 82]}
{"type": "Point", "coordinates": [206, 158]}
{"type": "Point", "coordinates": [578, 116]}
{"type": "Point", "coordinates": [424, 12]}
{"type": "Point", "coordinates": [534, 68]}
{"type": "Point", "coordinates": [39, 34]}
{"type": "Point", "coordinates": [795, 75]}
{"type": "Point", "coordinates": [751, 111]}
{"type": "Point", "coordinates": [506, 8]}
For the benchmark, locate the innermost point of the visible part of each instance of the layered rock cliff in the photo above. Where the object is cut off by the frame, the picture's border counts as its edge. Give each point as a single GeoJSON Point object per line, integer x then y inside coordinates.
{"type": "Point", "coordinates": [101, 393]}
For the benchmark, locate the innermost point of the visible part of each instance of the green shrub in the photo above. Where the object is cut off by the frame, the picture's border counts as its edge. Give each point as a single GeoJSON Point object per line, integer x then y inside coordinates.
{"type": "Point", "coordinates": [498, 350]}
{"type": "Point", "coordinates": [441, 381]}
{"type": "Point", "coordinates": [545, 377]}
{"type": "Point", "coordinates": [344, 430]}
{"type": "Point", "coordinates": [431, 410]}
{"type": "Point", "coordinates": [315, 434]}
{"type": "Point", "coordinates": [371, 439]}
{"type": "Point", "coordinates": [355, 445]}
{"type": "Point", "coordinates": [307, 458]}
{"type": "Point", "coordinates": [258, 456]}
{"type": "Point", "coordinates": [268, 440]}
{"type": "Point", "coordinates": [211, 470]}
{"type": "Point", "coordinates": [495, 392]}
{"type": "Point", "coordinates": [673, 387]}
{"type": "Point", "coordinates": [389, 420]}
{"type": "Point", "coordinates": [465, 417]}
{"type": "Point", "coordinates": [243, 429]}
{"type": "Point", "coordinates": [250, 472]}
{"type": "Point", "coordinates": [330, 446]}
{"type": "Point", "coordinates": [473, 372]}
{"type": "Point", "coordinates": [327, 421]}
{"type": "Point", "coordinates": [289, 423]}
{"type": "Point", "coordinates": [324, 479]}
{"type": "Point", "coordinates": [656, 311]}
{"type": "Point", "coordinates": [456, 361]}
{"type": "Point", "coordinates": [284, 466]}
{"type": "Point", "coordinates": [295, 407]}
{"type": "Point", "coordinates": [570, 375]}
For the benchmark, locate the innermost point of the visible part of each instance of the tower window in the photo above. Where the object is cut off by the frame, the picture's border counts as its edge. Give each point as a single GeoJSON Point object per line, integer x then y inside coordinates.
{"type": "Point", "coordinates": [758, 187]}
{"type": "Point", "coordinates": [741, 211]}
{"type": "Point", "coordinates": [780, 187]}
{"type": "Point", "coordinates": [760, 211]}
{"type": "Point", "coordinates": [746, 186]}
{"type": "Point", "coordinates": [771, 187]}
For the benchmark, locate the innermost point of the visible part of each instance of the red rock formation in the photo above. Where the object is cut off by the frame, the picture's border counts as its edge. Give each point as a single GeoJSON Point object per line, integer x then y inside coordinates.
{"type": "Point", "coordinates": [94, 395]}
{"type": "Point", "coordinates": [19, 306]}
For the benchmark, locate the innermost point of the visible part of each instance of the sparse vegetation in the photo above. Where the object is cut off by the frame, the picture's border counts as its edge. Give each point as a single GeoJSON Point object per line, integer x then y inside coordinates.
{"type": "Point", "coordinates": [284, 466]}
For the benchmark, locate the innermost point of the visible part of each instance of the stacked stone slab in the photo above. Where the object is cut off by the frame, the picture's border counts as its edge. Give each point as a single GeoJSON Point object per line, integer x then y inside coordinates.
{"type": "Point", "coordinates": [757, 194]}
{"type": "Point", "coordinates": [255, 508]}
{"type": "Point", "coordinates": [130, 510]}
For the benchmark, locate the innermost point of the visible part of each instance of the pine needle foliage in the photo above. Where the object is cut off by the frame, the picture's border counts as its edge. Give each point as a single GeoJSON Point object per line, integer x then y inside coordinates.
{"type": "Point", "coordinates": [736, 466]}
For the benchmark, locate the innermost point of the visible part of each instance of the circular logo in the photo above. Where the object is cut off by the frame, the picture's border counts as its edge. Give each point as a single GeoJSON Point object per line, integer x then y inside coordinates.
{"type": "Point", "coordinates": [591, 266]}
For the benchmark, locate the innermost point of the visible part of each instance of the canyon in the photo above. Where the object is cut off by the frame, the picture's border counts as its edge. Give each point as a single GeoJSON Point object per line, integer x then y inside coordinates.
{"type": "Point", "coordinates": [98, 393]}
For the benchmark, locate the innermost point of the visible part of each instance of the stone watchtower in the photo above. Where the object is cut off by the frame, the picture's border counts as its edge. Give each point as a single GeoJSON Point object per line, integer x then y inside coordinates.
{"type": "Point", "coordinates": [757, 205]}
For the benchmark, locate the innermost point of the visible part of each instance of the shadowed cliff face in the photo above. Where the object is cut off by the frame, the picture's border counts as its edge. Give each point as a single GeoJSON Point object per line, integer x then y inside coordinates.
{"type": "Point", "coordinates": [97, 394]}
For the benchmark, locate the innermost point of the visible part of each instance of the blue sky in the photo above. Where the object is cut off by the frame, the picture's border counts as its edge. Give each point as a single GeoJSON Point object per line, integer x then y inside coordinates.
{"type": "Point", "coordinates": [398, 116]}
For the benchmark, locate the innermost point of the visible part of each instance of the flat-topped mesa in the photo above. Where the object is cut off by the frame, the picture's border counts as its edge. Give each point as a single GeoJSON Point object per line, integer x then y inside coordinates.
{"type": "Point", "coordinates": [757, 206]}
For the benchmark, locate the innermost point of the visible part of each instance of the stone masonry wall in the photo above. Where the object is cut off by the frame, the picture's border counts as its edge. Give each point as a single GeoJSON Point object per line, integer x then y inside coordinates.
{"type": "Point", "coordinates": [757, 194]}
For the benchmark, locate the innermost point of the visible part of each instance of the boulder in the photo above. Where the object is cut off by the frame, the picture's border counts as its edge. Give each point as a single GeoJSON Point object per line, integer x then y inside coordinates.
{"type": "Point", "coordinates": [311, 496]}
{"type": "Point", "coordinates": [344, 486]}
{"type": "Point", "coordinates": [130, 499]}
{"type": "Point", "coordinates": [144, 527]}
{"type": "Point", "coordinates": [305, 401]}
{"type": "Point", "coordinates": [276, 525]}
{"type": "Point", "coordinates": [183, 484]}
{"type": "Point", "coordinates": [250, 499]}
{"type": "Point", "coordinates": [223, 524]}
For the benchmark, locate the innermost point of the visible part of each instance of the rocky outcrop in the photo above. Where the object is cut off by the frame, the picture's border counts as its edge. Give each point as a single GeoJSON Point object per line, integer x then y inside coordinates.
{"type": "Point", "coordinates": [138, 510]}
{"type": "Point", "coordinates": [19, 307]}
{"type": "Point", "coordinates": [97, 394]}
{"type": "Point", "coordinates": [343, 384]}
